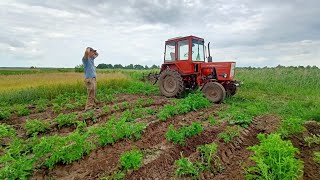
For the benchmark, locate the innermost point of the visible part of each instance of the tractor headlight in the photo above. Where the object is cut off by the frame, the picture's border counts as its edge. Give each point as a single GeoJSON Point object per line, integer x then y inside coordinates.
{"type": "Point", "coordinates": [233, 66]}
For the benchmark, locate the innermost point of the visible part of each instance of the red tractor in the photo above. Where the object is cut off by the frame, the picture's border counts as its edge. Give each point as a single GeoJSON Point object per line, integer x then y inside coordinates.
{"type": "Point", "coordinates": [185, 68]}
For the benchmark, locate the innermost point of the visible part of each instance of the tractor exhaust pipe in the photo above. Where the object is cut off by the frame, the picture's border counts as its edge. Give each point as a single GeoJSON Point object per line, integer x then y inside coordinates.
{"type": "Point", "coordinates": [209, 57]}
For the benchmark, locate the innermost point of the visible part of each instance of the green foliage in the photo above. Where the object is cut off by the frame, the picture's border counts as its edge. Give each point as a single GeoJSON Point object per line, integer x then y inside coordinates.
{"type": "Point", "coordinates": [275, 159]}
{"type": "Point", "coordinates": [206, 153]}
{"type": "Point", "coordinates": [81, 126]}
{"type": "Point", "coordinates": [36, 126]}
{"type": "Point", "coordinates": [114, 130]}
{"type": "Point", "coordinates": [229, 133]}
{"type": "Point", "coordinates": [15, 164]}
{"type": "Point", "coordinates": [291, 126]}
{"type": "Point", "coordinates": [106, 109]}
{"type": "Point", "coordinates": [5, 114]}
{"type": "Point", "coordinates": [66, 149]}
{"type": "Point", "coordinates": [79, 68]}
{"type": "Point", "coordinates": [186, 168]}
{"type": "Point", "coordinates": [242, 120]}
{"type": "Point", "coordinates": [22, 110]}
{"type": "Point", "coordinates": [212, 120]}
{"type": "Point", "coordinates": [131, 160]}
{"type": "Point", "coordinates": [313, 139]}
{"type": "Point", "coordinates": [41, 105]}
{"type": "Point", "coordinates": [179, 136]}
{"type": "Point", "coordinates": [6, 131]}
{"type": "Point", "coordinates": [66, 119]}
{"type": "Point", "coordinates": [89, 115]}
{"type": "Point", "coordinates": [118, 175]}
{"type": "Point", "coordinates": [116, 107]}
{"type": "Point", "coordinates": [192, 102]}
{"type": "Point", "coordinates": [317, 157]}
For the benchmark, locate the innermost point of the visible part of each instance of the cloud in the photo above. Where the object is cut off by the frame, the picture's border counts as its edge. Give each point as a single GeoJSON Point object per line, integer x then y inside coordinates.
{"type": "Point", "coordinates": [252, 32]}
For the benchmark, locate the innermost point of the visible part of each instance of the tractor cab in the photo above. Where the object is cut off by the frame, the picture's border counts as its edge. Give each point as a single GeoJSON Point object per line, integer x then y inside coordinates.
{"type": "Point", "coordinates": [185, 67]}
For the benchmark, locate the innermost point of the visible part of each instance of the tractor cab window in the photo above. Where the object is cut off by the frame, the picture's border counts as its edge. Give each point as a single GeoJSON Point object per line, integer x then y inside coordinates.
{"type": "Point", "coordinates": [197, 50]}
{"type": "Point", "coordinates": [183, 50]}
{"type": "Point", "coordinates": [170, 51]}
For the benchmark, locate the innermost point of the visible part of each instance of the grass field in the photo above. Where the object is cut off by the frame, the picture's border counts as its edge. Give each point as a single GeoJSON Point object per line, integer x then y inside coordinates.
{"type": "Point", "coordinates": [269, 130]}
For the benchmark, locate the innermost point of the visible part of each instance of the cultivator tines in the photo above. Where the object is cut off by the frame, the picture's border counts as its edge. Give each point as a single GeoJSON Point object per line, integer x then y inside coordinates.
{"type": "Point", "coordinates": [152, 78]}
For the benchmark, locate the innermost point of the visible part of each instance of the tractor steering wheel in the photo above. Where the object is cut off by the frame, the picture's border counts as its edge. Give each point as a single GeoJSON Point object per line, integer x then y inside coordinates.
{"type": "Point", "coordinates": [186, 54]}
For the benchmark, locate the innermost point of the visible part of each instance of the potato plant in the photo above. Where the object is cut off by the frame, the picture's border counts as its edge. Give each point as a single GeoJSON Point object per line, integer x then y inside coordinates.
{"type": "Point", "coordinates": [275, 159]}
{"type": "Point", "coordinates": [131, 159]}
{"type": "Point", "coordinates": [179, 136]}
{"type": "Point", "coordinates": [36, 126]}
{"type": "Point", "coordinates": [313, 139]}
{"type": "Point", "coordinates": [66, 119]}
{"type": "Point", "coordinates": [229, 133]}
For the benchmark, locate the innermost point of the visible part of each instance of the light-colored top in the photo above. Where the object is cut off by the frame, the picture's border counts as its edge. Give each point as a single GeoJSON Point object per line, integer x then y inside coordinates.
{"type": "Point", "coordinates": [89, 68]}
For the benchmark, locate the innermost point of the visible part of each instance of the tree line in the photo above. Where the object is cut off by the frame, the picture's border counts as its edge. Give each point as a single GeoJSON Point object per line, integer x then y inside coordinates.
{"type": "Point", "coordinates": [130, 66]}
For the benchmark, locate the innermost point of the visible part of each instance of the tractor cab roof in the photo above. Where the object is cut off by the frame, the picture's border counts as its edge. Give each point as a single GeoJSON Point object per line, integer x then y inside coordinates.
{"type": "Point", "coordinates": [179, 38]}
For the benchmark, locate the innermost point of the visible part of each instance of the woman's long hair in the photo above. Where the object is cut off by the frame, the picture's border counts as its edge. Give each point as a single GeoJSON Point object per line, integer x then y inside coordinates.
{"type": "Point", "coordinates": [86, 54]}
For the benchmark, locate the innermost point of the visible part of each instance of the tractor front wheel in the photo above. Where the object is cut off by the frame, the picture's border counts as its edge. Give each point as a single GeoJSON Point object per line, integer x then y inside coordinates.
{"type": "Point", "coordinates": [170, 83]}
{"type": "Point", "coordinates": [214, 91]}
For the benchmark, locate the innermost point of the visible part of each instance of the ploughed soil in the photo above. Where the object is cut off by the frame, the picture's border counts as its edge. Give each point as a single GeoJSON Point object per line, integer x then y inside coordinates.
{"type": "Point", "coordinates": [160, 154]}
{"type": "Point", "coordinates": [233, 155]}
{"type": "Point", "coordinates": [311, 168]}
{"type": "Point", "coordinates": [19, 122]}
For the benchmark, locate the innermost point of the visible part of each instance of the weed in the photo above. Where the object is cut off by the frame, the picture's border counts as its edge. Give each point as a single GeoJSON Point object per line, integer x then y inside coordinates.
{"type": "Point", "coordinates": [131, 160]}
{"type": "Point", "coordinates": [106, 109]}
{"type": "Point", "coordinates": [179, 136]}
{"type": "Point", "coordinates": [313, 139]}
{"type": "Point", "coordinates": [125, 105]}
{"type": "Point", "coordinates": [212, 120]}
{"type": "Point", "coordinates": [275, 159]}
{"type": "Point", "coordinates": [291, 126]}
{"type": "Point", "coordinates": [186, 168]}
{"type": "Point", "coordinates": [36, 126]}
{"type": "Point", "coordinates": [66, 119]}
{"type": "Point", "coordinates": [116, 107]}
{"type": "Point", "coordinates": [118, 175]}
{"type": "Point", "coordinates": [229, 133]}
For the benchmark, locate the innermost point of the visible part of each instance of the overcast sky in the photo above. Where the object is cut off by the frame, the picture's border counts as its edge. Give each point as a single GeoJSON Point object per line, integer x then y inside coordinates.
{"type": "Point", "coordinates": [55, 33]}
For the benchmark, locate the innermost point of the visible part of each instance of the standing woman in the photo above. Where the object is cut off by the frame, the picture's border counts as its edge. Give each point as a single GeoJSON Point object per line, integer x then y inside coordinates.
{"type": "Point", "coordinates": [90, 76]}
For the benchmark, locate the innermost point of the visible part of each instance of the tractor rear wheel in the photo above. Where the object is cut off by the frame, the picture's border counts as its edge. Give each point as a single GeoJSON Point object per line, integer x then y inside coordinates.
{"type": "Point", "coordinates": [171, 83]}
{"type": "Point", "coordinates": [214, 91]}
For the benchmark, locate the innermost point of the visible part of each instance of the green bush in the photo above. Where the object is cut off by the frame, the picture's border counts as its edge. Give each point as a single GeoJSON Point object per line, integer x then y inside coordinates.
{"type": "Point", "coordinates": [229, 133]}
{"type": "Point", "coordinates": [179, 136]}
{"type": "Point", "coordinates": [131, 160]}
{"type": "Point", "coordinates": [36, 126]}
{"type": "Point", "coordinates": [66, 119]}
{"type": "Point", "coordinates": [275, 159]}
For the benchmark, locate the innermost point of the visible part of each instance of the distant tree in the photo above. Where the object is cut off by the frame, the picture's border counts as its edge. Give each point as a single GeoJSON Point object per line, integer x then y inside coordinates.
{"type": "Point", "coordinates": [138, 66]}
{"type": "Point", "coordinates": [146, 67]}
{"type": "Point", "coordinates": [102, 66]}
{"type": "Point", "coordinates": [155, 67]}
{"type": "Point", "coordinates": [118, 66]}
{"type": "Point", "coordinates": [79, 68]}
{"type": "Point", "coordinates": [32, 67]}
{"type": "Point", "coordinates": [130, 66]}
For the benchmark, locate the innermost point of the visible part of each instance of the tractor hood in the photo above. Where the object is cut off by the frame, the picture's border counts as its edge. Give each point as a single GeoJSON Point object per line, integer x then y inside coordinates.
{"type": "Point", "coordinates": [222, 70]}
